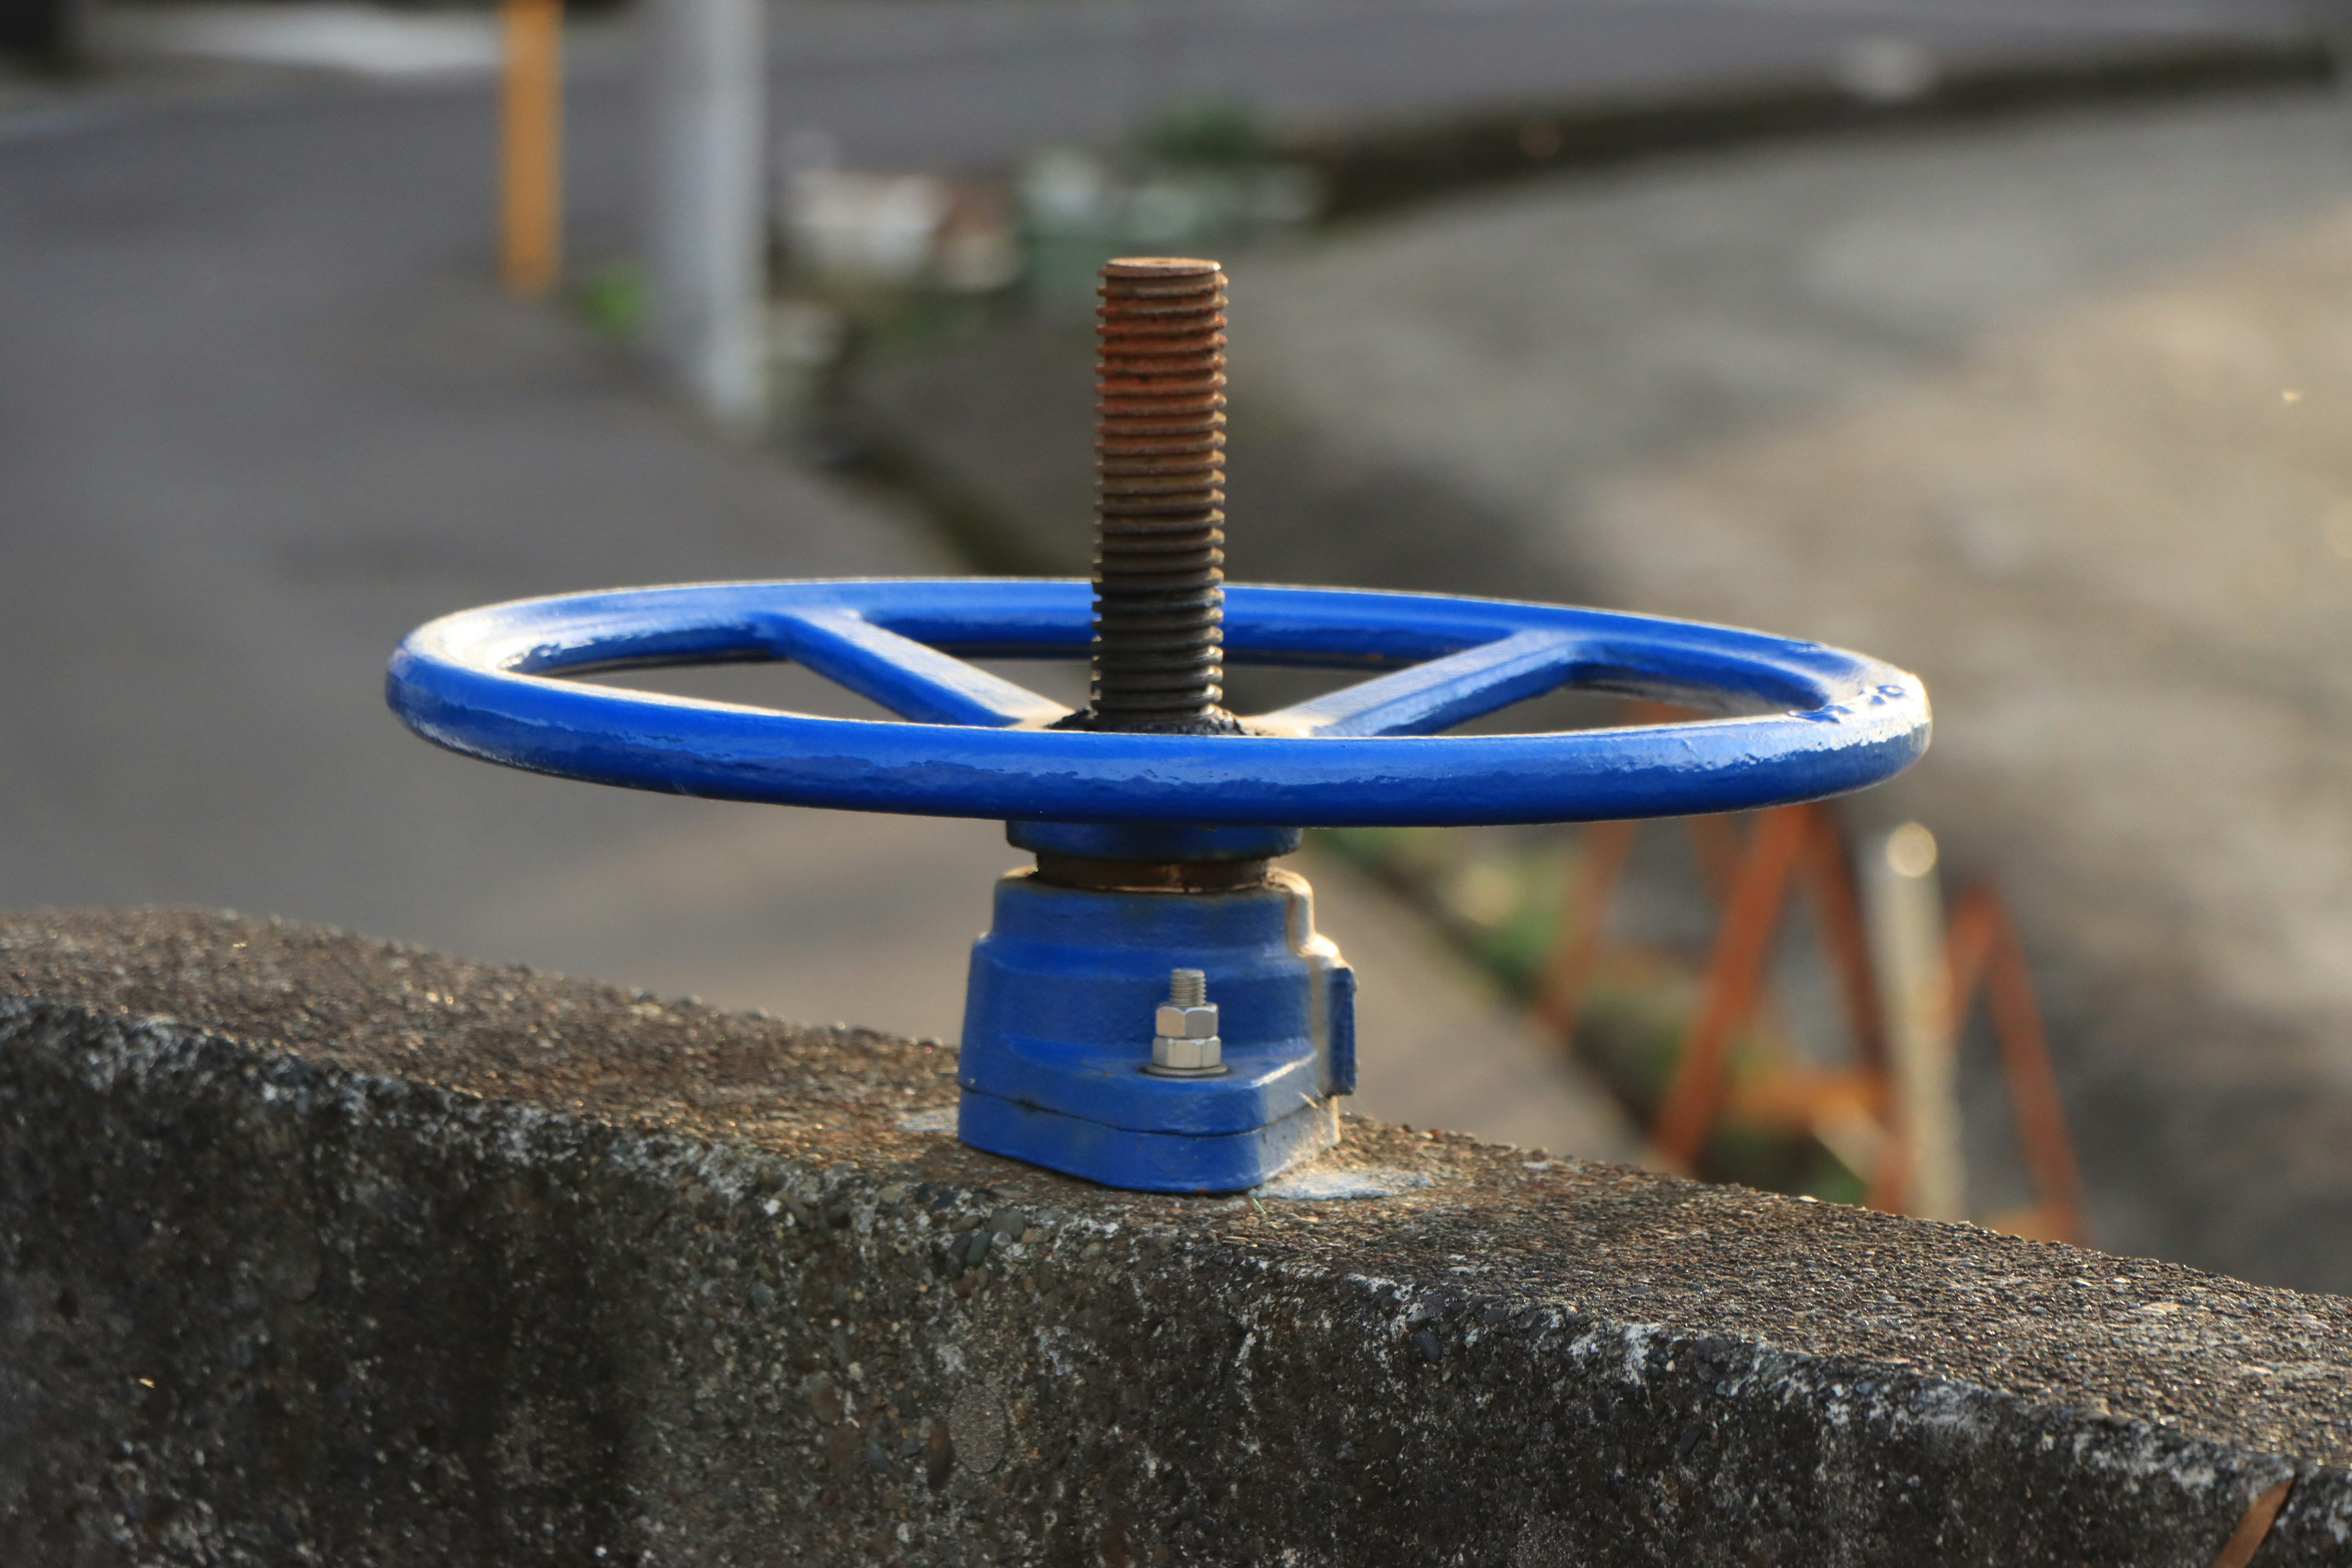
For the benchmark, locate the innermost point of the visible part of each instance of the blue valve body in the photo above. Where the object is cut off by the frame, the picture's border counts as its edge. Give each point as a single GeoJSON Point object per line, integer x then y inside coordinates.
{"type": "Point", "coordinates": [1058, 1021]}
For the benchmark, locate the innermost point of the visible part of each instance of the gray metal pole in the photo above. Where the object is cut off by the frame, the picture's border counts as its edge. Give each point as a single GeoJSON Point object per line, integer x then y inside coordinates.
{"type": "Point", "coordinates": [708, 242]}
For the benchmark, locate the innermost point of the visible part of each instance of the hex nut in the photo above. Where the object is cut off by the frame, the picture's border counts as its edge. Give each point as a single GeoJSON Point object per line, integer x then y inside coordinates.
{"type": "Point", "coordinates": [1187, 1045]}
{"type": "Point", "coordinates": [1188, 1023]}
{"type": "Point", "coordinates": [1188, 1055]}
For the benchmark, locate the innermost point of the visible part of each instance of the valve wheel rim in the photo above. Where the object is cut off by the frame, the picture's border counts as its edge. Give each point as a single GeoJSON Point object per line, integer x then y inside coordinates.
{"type": "Point", "coordinates": [502, 683]}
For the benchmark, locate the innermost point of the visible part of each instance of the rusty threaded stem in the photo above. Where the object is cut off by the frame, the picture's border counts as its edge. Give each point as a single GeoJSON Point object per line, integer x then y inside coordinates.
{"type": "Point", "coordinates": [1160, 478]}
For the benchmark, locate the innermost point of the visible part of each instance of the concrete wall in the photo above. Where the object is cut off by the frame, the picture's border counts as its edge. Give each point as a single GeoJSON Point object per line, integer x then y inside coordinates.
{"type": "Point", "coordinates": [317, 1250]}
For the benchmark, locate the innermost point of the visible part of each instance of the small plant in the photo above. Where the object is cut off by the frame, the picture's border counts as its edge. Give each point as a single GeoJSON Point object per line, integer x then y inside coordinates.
{"type": "Point", "coordinates": [1209, 134]}
{"type": "Point", "coordinates": [611, 299]}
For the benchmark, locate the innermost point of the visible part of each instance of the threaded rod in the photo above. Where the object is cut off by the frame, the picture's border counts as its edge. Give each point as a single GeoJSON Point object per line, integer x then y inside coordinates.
{"type": "Point", "coordinates": [1159, 655]}
{"type": "Point", "coordinates": [1188, 987]}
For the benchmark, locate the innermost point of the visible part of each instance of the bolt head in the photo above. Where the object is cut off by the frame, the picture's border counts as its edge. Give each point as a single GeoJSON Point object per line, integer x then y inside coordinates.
{"type": "Point", "coordinates": [1188, 1023]}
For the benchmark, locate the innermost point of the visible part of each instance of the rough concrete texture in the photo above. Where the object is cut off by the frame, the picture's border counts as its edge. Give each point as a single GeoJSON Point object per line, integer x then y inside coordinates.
{"type": "Point", "coordinates": [318, 1250]}
{"type": "Point", "coordinates": [2048, 412]}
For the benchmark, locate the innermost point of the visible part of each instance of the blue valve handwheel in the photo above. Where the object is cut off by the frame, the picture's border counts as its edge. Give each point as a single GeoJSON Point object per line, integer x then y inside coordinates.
{"type": "Point", "coordinates": [1064, 987]}
{"type": "Point", "coordinates": [503, 683]}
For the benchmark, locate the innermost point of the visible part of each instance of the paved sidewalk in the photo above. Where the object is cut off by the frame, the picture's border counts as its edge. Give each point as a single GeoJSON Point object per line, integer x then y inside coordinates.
{"type": "Point", "coordinates": [2054, 416]}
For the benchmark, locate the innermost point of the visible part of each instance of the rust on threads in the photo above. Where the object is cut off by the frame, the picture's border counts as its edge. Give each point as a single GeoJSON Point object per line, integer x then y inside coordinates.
{"type": "Point", "coordinates": [1159, 439]}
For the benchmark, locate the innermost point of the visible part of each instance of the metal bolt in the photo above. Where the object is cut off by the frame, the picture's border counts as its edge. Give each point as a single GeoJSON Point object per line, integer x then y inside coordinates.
{"type": "Point", "coordinates": [1159, 655]}
{"type": "Point", "coordinates": [1186, 1045]}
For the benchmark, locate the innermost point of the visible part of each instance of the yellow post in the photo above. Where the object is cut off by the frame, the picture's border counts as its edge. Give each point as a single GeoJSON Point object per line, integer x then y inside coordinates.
{"type": "Point", "coordinates": [530, 208]}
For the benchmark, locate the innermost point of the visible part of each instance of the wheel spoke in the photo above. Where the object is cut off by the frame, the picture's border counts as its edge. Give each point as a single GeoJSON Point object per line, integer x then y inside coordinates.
{"type": "Point", "coordinates": [910, 678]}
{"type": "Point", "coordinates": [1435, 696]}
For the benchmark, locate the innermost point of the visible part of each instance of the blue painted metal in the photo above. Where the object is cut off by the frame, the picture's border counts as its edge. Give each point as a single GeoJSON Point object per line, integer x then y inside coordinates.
{"type": "Point", "coordinates": [1059, 1016]}
{"type": "Point", "coordinates": [490, 683]}
{"type": "Point", "coordinates": [1058, 1023]}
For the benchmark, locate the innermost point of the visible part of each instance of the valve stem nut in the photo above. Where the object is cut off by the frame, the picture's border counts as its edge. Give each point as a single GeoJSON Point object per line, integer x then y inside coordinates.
{"type": "Point", "coordinates": [1186, 1043]}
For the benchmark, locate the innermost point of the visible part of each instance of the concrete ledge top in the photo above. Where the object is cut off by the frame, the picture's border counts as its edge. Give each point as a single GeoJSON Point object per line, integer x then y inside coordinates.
{"type": "Point", "coordinates": [2125, 1368]}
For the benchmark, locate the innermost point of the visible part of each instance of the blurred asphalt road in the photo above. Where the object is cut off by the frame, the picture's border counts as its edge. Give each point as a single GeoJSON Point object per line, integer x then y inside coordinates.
{"type": "Point", "coordinates": [261, 412]}
{"type": "Point", "coordinates": [962, 83]}
{"type": "Point", "coordinates": [976, 81]}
